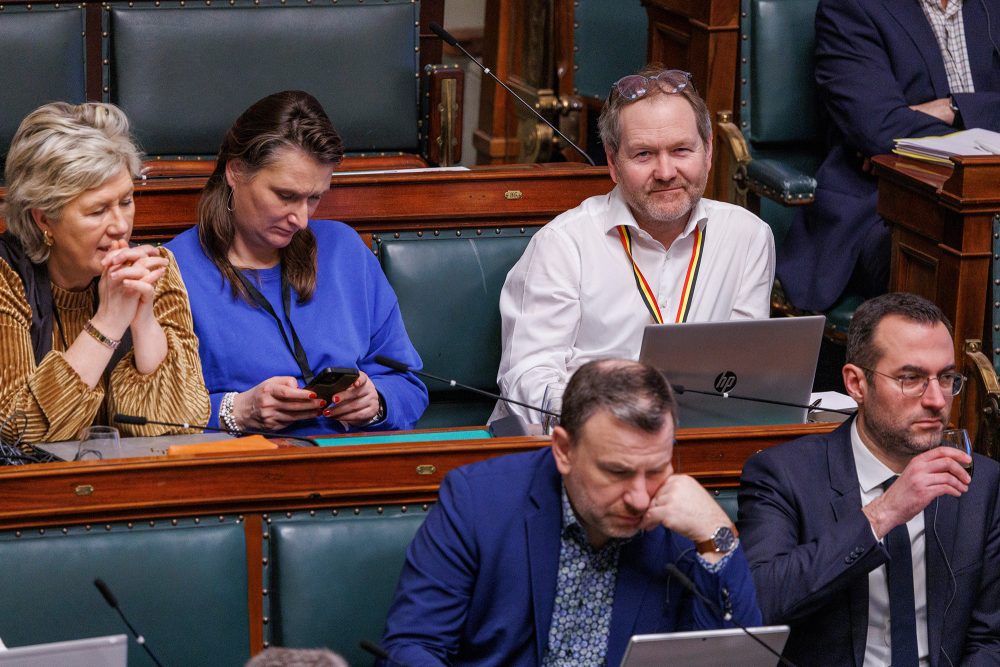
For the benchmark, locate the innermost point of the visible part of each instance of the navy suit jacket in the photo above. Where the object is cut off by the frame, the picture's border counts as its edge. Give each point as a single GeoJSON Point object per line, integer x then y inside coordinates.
{"type": "Point", "coordinates": [875, 58]}
{"type": "Point", "coordinates": [479, 582]}
{"type": "Point", "coordinates": [811, 548]}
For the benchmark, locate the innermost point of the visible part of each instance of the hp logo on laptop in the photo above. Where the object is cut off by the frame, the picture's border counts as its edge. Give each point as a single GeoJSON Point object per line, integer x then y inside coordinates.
{"type": "Point", "coordinates": [725, 381]}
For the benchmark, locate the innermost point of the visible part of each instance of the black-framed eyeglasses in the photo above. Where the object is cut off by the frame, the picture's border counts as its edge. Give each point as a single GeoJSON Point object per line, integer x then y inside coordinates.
{"type": "Point", "coordinates": [634, 86]}
{"type": "Point", "coordinates": [913, 385]}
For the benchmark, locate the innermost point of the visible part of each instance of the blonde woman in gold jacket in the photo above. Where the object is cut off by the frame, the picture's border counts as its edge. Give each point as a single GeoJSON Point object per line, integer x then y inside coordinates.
{"type": "Point", "coordinates": [89, 326]}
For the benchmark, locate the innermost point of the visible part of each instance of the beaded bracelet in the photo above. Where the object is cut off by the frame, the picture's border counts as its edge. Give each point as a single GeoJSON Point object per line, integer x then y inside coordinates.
{"type": "Point", "coordinates": [226, 417]}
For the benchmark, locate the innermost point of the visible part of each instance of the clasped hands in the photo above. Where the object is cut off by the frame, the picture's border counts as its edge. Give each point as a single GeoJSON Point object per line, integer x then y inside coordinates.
{"type": "Point", "coordinates": [279, 401]}
{"type": "Point", "coordinates": [127, 287]}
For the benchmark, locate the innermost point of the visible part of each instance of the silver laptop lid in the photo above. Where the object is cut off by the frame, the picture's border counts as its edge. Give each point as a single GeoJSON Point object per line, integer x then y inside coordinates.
{"type": "Point", "coordinates": [773, 359]}
{"type": "Point", "coordinates": [706, 648]}
{"type": "Point", "coordinates": [109, 651]}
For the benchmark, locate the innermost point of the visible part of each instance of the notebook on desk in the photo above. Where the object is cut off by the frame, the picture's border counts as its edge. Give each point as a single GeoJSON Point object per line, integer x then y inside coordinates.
{"type": "Point", "coordinates": [706, 648]}
{"type": "Point", "coordinates": [109, 651]}
{"type": "Point", "coordinates": [771, 359]}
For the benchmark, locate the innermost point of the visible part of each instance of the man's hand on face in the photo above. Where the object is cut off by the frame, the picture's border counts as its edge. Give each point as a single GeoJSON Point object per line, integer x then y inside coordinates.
{"type": "Point", "coordinates": [933, 473]}
{"type": "Point", "coordinates": [684, 506]}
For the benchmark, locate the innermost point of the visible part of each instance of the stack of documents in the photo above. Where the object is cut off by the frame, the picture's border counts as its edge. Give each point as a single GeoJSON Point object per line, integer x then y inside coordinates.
{"type": "Point", "coordinates": [941, 149]}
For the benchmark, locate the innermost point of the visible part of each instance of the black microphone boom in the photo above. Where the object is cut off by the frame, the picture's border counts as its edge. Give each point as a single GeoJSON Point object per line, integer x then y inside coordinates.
{"type": "Point", "coordinates": [681, 389]}
{"type": "Point", "coordinates": [112, 601]}
{"type": "Point", "coordinates": [142, 421]}
{"type": "Point", "coordinates": [684, 581]}
{"type": "Point", "coordinates": [450, 39]}
{"type": "Point", "coordinates": [403, 368]}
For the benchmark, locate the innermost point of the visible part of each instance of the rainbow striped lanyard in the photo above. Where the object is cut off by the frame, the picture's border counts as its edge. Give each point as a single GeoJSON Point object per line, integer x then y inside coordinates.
{"type": "Point", "coordinates": [690, 276]}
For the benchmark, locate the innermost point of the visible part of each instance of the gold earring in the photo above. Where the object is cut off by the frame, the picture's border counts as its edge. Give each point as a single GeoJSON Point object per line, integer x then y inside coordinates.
{"type": "Point", "coordinates": [47, 238]}
{"type": "Point", "coordinates": [229, 199]}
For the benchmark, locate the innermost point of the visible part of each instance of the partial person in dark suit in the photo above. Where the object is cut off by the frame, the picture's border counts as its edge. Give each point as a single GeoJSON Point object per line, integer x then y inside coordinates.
{"type": "Point", "coordinates": [557, 557]}
{"type": "Point", "coordinates": [873, 543]}
{"type": "Point", "coordinates": [886, 69]}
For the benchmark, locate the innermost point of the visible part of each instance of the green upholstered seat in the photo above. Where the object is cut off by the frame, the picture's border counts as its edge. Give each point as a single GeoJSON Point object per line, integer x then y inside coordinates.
{"type": "Point", "coordinates": [780, 123]}
{"type": "Point", "coordinates": [727, 499]}
{"type": "Point", "coordinates": [779, 106]}
{"type": "Point", "coordinates": [212, 60]}
{"type": "Point", "coordinates": [183, 586]}
{"type": "Point", "coordinates": [448, 287]}
{"type": "Point", "coordinates": [42, 59]}
{"type": "Point", "coordinates": [330, 576]}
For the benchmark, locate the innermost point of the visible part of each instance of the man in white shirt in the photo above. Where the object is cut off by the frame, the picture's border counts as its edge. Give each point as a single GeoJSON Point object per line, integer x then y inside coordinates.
{"type": "Point", "coordinates": [651, 250]}
{"type": "Point", "coordinates": [873, 543]}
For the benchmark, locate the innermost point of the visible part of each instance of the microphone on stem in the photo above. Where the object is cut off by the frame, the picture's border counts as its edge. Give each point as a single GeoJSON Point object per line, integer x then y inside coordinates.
{"type": "Point", "coordinates": [681, 389]}
{"type": "Point", "coordinates": [403, 368]}
{"type": "Point", "coordinates": [684, 581]}
{"type": "Point", "coordinates": [112, 601]}
{"type": "Point", "coordinates": [142, 421]}
{"type": "Point", "coordinates": [450, 40]}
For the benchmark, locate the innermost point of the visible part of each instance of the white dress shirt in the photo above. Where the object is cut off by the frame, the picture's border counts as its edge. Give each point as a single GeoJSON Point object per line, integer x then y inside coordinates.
{"type": "Point", "coordinates": [878, 647]}
{"type": "Point", "coordinates": [572, 297]}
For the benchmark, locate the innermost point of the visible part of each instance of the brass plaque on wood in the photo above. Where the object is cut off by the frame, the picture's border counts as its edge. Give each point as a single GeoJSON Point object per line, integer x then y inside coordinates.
{"type": "Point", "coordinates": [426, 469]}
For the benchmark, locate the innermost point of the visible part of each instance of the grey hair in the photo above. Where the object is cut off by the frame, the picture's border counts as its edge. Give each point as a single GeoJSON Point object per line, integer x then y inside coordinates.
{"type": "Point", "coordinates": [59, 152]}
{"type": "Point", "coordinates": [633, 393]}
{"type": "Point", "coordinates": [609, 123]}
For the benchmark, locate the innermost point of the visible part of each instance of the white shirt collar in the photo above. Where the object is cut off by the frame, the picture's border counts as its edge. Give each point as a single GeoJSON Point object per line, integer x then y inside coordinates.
{"type": "Point", "coordinates": [871, 472]}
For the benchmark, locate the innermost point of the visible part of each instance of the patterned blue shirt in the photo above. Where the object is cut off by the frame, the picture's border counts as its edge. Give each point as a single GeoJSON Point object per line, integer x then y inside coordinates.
{"type": "Point", "coordinates": [585, 595]}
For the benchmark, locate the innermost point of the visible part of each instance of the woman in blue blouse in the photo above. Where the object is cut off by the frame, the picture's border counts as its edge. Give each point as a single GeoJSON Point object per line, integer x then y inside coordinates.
{"type": "Point", "coordinates": [277, 297]}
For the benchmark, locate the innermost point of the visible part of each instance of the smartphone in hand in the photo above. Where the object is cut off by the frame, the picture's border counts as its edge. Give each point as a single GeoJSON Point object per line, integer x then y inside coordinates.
{"type": "Point", "coordinates": [331, 380]}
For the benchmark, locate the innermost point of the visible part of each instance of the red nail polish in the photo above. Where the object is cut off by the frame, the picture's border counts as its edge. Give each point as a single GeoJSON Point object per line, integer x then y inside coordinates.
{"type": "Point", "coordinates": [312, 395]}
{"type": "Point", "coordinates": [336, 399]}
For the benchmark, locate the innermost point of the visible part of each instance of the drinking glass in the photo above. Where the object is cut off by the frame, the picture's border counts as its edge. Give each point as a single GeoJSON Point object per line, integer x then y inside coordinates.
{"type": "Point", "coordinates": [99, 442]}
{"type": "Point", "coordinates": [958, 438]}
{"type": "Point", "coordinates": [552, 401]}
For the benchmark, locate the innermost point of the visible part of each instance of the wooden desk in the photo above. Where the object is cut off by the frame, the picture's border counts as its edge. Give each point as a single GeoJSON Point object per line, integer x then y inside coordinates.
{"type": "Point", "coordinates": [476, 199]}
{"type": "Point", "coordinates": [942, 233]}
{"type": "Point", "coordinates": [942, 227]}
{"type": "Point", "coordinates": [298, 478]}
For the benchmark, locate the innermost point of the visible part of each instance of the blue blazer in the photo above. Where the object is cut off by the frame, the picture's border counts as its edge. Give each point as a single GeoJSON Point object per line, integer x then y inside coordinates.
{"type": "Point", "coordinates": [478, 585]}
{"type": "Point", "coordinates": [875, 58]}
{"type": "Point", "coordinates": [811, 548]}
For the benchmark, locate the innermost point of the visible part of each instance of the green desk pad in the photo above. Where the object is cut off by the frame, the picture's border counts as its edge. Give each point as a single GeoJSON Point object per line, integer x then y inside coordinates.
{"type": "Point", "coordinates": [383, 438]}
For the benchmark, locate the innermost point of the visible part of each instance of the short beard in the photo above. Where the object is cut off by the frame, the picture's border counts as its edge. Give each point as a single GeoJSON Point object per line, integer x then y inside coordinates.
{"type": "Point", "coordinates": [896, 442]}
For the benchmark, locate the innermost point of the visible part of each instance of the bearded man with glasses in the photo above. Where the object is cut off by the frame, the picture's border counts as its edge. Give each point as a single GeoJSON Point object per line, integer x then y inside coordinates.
{"type": "Point", "coordinates": [874, 543]}
{"type": "Point", "coordinates": [650, 251]}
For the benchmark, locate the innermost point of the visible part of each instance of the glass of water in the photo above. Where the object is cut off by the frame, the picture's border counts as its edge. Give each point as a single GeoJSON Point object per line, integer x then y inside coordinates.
{"type": "Point", "coordinates": [552, 401]}
{"type": "Point", "coordinates": [958, 438]}
{"type": "Point", "coordinates": [99, 442]}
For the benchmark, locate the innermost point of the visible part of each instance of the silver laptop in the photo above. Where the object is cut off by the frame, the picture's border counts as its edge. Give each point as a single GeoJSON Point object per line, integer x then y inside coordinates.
{"type": "Point", "coordinates": [773, 359]}
{"type": "Point", "coordinates": [706, 648]}
{"type": "Point", "coordinates": [109, 651]}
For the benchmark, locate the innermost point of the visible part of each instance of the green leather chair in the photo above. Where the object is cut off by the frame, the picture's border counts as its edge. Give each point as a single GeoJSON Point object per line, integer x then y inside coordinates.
{"type": "Point", "coordinates": [182, 583]}
{"type": "Point", "coordinates": [330, 575]}
{"type": "Point", "coordinates": [727, 498]}
{"type": "Point", "coordinates": [42, 59]}
{"type": "Point", "coordinates": [777, 144]}
{"type": "Point", "coordinates": [210, 61]}
{"type": "Point", "coordinates": [436, 275]}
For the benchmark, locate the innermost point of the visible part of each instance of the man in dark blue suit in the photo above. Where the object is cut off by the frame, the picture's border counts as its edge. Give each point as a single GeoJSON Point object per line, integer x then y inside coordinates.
{"type": "Point", "coordinates": [873, 543]}
{"type": "Point", "coordinates": [886, 69]}
{"type": "Point", "coordinates": [557, 557]}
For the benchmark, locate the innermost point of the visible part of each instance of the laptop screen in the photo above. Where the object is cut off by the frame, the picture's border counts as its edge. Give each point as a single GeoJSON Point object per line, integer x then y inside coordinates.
{"type": "Point", "coordinates": [706, 648]}
{"type": "Point", "coordinates": [771, 359]}
{"type": "Point", "coordinates": [109, 651]}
